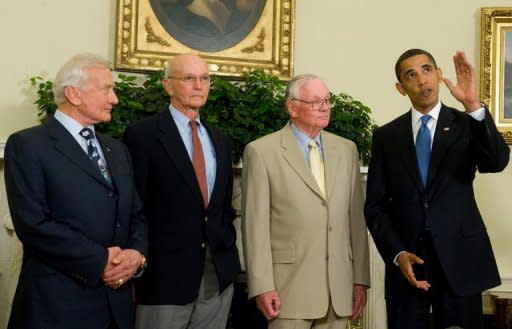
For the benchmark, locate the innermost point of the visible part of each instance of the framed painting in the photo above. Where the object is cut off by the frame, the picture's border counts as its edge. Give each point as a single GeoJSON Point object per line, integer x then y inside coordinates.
{"type": "Point", "coordinates": [233, 36]}
{"type": "Point", "coordinates": [496, 66]}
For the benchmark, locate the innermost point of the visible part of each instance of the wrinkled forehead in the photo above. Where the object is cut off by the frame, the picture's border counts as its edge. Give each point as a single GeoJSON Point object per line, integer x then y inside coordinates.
{"type": "Point", "coordinates": [313, 88]}
{"type": "Point", "coordinates": [189, 65]}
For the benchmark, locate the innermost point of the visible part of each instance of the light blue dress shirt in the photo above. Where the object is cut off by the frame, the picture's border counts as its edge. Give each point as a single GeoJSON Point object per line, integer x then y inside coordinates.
{"type": "Point", "coordinates": [210, 159]}
{"type": "Point", "coordinates": [74, 128]}
{"type": "Point", "coordinates": [303, 141]}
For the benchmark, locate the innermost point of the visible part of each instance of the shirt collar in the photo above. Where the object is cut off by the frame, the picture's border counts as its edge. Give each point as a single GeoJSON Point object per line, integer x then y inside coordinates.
{"type": "Point", "coordinates": [303, 138]}
{"type": "Point", "coordinates": [74, 127]}
{"type": "Point", "coordinates": [181, 119]}
{"type": "Point", "coordinates": [434, 113]}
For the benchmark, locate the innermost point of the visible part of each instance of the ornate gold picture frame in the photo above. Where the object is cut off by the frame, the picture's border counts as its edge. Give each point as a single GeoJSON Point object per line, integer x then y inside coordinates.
{"type": "Point", "coordinates": [233, 36]}
{"type": "Point", "coordinates": [496, 66]}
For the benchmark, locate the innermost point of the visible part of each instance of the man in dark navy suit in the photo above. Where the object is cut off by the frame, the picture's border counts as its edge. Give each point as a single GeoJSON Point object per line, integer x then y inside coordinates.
{"type": "Point", "coordinates": [75, 208]}
{"type": "Point", "coordinates": [420, 206]}
{"type": "Point", "coordinates": [184, 177]}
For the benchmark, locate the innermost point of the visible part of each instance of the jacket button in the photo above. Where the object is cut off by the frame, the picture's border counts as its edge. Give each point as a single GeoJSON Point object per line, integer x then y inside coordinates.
{"type": "Point", "coordinates": [425, 205]}
{"type": "Point", "coordinates": [111, 194]}
{"type": "Point", "coordinates": [203, 245]}
{"type": "Point", "coordinates": [205, 219]}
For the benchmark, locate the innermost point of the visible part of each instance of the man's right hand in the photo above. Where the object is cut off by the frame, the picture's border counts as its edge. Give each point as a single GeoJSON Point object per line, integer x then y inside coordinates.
{"type": "Point", "coordinates": [406, 260]}
{"type": "Point", "coordinates": [269, 304]}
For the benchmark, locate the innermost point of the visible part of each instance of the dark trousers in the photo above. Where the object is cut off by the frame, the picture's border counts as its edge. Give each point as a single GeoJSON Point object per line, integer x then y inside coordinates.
{"type": "Point", "coordinates": [447, 309]}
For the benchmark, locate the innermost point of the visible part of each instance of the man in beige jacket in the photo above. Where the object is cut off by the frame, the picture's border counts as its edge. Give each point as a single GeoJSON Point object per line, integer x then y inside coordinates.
{"type": "Point", "coordinates": [306, 246]}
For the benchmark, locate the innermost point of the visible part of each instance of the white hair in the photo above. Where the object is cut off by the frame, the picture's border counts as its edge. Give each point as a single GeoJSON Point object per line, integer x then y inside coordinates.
{"type": "Point", "coordinates": [73, 73]}
{"type": "Point", "coordinates": [292, 90]}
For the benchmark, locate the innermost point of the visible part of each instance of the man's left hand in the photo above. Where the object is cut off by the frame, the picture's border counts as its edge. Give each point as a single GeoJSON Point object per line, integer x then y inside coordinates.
{"type": "Point", "coordinates": [359, 301]}
{"type": "Point", "coordinates": [124, 264]}
{"type": "Point", "coordinates": [465, 90]}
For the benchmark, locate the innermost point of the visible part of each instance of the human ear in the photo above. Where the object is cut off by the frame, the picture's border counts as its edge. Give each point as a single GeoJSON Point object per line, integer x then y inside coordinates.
{"type": "Point", "coordinates": [166, 83]}
{"type": "Point", "coordinates": [400, 89]}
{"type": "Point", "coordinates": [73, 95]}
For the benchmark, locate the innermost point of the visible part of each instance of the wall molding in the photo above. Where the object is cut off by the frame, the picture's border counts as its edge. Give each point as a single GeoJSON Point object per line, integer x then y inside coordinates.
{"type": "Point", "coordinates": [2, 147]}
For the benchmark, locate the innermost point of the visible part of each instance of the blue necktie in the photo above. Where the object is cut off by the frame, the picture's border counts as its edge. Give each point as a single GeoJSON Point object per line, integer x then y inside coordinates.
{"type": "Point", "coordinates": [423, 141]}
{"type": "Point", "coordinates": [94, 155]}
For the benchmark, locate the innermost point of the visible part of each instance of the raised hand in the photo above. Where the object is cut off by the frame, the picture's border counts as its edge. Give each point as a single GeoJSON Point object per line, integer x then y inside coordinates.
{"type": "Point", "coordinates": [465, 90]}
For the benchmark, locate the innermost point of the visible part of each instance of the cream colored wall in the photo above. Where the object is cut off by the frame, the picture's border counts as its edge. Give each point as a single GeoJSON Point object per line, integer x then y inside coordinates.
{"type": "Point", "coordinates": [352, 44]}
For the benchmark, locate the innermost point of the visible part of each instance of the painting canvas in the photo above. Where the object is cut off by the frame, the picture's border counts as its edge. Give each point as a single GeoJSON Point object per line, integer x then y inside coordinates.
{"type": "Point", "coordinates": [496, 66]}
{"type": "Point", "coordinates": [233, 36]}
{"type": "Point", "coordinates": [508, 75]}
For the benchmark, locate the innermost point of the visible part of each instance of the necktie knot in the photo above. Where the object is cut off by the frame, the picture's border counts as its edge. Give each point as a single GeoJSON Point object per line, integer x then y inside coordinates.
{"type": "Point", "coordinates": [425, 119]}
{"type": "Point", "coordinates": [87, 133]}
{"type": "Point", "coordinates": [312, 144]}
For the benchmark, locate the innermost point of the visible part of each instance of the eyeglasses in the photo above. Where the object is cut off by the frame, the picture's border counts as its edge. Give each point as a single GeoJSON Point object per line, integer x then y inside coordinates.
{"type": "Point", "coordinates": [317, 104]}
{"type": "Point", "coordinates": [191, 79]}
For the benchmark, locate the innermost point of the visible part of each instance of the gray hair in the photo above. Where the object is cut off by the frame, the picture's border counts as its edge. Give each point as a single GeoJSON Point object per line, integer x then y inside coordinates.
{"type": "Point", "coordinates": [73, 73]}
{"type": "Point", "coordinates": [292, 90]}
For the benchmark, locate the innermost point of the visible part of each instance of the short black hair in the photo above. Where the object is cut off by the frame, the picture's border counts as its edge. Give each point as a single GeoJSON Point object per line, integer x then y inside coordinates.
{"type": "Point", "coordinates": [410, 53]}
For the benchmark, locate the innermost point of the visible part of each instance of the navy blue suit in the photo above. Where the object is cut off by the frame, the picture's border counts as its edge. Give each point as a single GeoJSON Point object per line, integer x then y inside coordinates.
{"type": "Point", "coordinates": [398, 208]}
{"type": "Point", "coordinates": [179, 226]}
{"type": "Point", "coordinates": [66, 215]}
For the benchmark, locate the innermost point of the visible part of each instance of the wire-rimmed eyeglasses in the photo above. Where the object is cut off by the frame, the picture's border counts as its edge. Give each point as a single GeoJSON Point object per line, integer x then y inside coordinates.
{"type": "Point", "coordinates": [317, 104]}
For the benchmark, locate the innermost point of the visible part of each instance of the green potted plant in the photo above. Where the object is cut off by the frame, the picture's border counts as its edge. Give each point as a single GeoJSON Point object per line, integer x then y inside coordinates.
{"type": "Point", "coordinates": [245, 109]}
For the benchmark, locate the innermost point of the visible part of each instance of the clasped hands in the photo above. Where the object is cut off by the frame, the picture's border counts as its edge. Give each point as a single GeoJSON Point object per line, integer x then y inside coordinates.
{"type": "Point", "coordinates": [121, 265]}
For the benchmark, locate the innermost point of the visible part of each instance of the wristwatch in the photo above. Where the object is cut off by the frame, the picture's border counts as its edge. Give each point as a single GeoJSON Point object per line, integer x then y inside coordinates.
{"type": "Point", "coordinates": [141, 268]}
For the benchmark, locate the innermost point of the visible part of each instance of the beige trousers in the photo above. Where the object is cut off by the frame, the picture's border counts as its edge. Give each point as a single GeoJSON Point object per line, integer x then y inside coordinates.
{"type": "Point", "coordinates": [330, 321]}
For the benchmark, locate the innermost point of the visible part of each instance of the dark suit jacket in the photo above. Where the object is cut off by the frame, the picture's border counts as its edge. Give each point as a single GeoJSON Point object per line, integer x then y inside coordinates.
{"type": "Point", "coordinates": [66, 215]}
{"type": "Point", "coordinates": [178, 223]}
{"type": "Point", "coordinates": [397, 206]}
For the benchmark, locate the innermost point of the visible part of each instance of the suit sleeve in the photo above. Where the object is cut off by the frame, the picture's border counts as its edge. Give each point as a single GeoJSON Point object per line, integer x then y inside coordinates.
{"type": "Point", "coordinates": [256, 223]}
{"type": "Point", "coordinates": [229, 212]}
{"type": "Point", "coordinates": [140, 161]}
{"type": "Point", "coordinates": [138, 236]}
{"type": "Point", "coordinates": [491, 151]}
{"type": "Point", "coordinates": [358, 232]}
{"type": "Point", "coordinates": [56, 244]}
{"type": "Point", "coordinates": [378, 203]}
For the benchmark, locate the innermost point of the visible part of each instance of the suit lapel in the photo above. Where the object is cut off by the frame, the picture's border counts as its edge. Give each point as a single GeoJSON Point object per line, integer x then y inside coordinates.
{"type": "Point", "coordinates": [444, 136]}
{"type": "Point", "coordinates": [331, 160]}
{"type": "Point", "coordinates": [110, 158]}
{"type": "Point", "coordinates": [69, 148]}
{"type": "Point", "coordinates": [293, 155]}
{"type": "Point", "coordinates": [406, 149]}
{"type": "Point", "coordinates": [220, 150]}
{"type": "Point", "coordinates": [175, 148]}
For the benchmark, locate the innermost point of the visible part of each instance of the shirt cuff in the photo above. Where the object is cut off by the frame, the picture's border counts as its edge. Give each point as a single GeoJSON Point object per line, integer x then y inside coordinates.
{"type": "Point", "coordinates": [479, 114]}
{"type": "Point", "coordinates": [395, 260]}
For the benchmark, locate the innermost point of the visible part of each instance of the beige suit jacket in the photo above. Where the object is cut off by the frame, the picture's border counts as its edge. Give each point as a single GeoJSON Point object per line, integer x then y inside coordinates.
{"type": "Point", "coordinates": [304, 246]}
